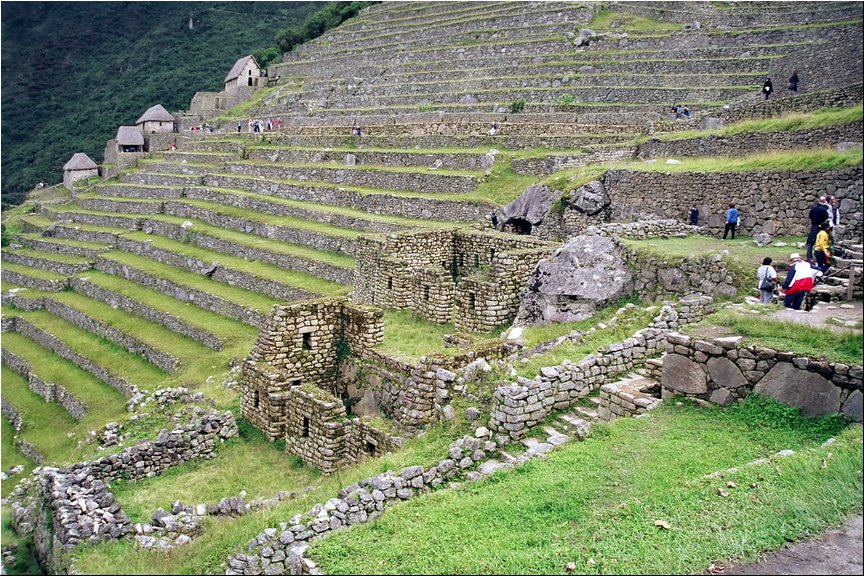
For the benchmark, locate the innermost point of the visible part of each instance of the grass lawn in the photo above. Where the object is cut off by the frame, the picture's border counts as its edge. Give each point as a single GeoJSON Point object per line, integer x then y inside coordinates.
{"type": "Point", "coordinates": [741, 249]}
{"type": "Point", "coordinates": [408, 336]}
{"type": "Point", "coordinates": [845, 347]}
{"type": "Point", "coordinates": [595, 503]}
{"type": "Point", "coordinates": [249, 463]}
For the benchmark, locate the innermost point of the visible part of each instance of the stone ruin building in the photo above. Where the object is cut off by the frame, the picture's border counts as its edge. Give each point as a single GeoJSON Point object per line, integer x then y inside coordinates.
{"type": "Point", "coordinates": [428, 272]}
{"type": "Point", "coordinates": [78, 167]}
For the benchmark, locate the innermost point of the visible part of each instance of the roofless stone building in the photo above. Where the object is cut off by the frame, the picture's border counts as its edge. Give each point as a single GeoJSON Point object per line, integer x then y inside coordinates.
{"type": "Point", "coordinates": [78, 167]}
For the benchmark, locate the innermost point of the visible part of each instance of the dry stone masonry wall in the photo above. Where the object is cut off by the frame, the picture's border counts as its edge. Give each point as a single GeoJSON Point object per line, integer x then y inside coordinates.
{"type": "Point", "coordinates": [724, 370]}
{"type": "Point", "coordinates": [49, 391]}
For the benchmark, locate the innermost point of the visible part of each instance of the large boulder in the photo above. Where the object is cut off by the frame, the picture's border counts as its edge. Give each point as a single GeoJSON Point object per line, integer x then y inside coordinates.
{"type": "Point", "coordinates": [532, 206]}
{"type": "Point", "coordinates": [589, 199]}
{"type": "Point", "coordinates": [683, 375]}
{"type": "Point", "coordinates": [585, 274]}
{"type": "Point", "coordinates": [800, 388]}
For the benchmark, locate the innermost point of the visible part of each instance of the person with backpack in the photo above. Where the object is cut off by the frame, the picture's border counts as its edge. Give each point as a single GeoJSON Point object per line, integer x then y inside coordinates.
{"type": "Point", "coordinates": [799, 281]}
{"type": "Point", "coordinates": [767, 276]}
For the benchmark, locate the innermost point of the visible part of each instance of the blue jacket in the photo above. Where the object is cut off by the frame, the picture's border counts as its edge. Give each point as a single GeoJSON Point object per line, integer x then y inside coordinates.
{"type": "Point", "coordinates": [732, 215]}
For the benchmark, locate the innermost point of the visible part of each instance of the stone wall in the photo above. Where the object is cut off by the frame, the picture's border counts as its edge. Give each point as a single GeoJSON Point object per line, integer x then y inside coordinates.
{"type": "Point", "coordinates": [725, 369]}
{"type": "Point", "coordinates": [62, 508]}
{"type": "Point", "coordinates": [642, 229]}
{"type": "Point", "coordinates": [555, 162]}
{"type": "Point", "coordinates": [519, 406]}
{"type": "Point", "coordinates": [42, 284]}
{"type": "Point", "coordinates": [49, 391]}
{"type": "Point", "coordinates": [426, 271]}
{"type": "Point", "coordinates": [626, 399]}
{"type": "Point", "coordinates": [751, 142]}
{"type": "Point", "coordinates": [774, 202]}
{"type": "Point", "coordinates": [445, 160]}
{"type": "Point", "coordinates": [55, 266]}
{"type": "Point", "coordinates": [655, 276]}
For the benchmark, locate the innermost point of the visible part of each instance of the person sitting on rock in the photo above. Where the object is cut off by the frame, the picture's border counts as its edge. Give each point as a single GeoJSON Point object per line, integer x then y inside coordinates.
{"type": "Point", "coordinates": [799, 281]}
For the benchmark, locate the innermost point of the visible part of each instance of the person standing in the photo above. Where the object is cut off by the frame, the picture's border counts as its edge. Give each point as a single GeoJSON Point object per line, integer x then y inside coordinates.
{"type": "Point", "coordinates": [238, 126]}
{"type": "Point", "coordinates": [767, 281]}
{"type": "Point", "coordinates": [793, 81]}
{"type": "Point", "coordinates": [278, 122]}
{"type": "Point", "coordinates": [799, 281]}
{"type": "Point", "coordinates": [767, 88]}
{"type": "Point", "coordinates": [823, 248]}
{"type": "Point", "coordinates": [818, 215]}
{"type": "Point", "coordinates": [694, 216]}
{"type": "Point", "coordinates": [731, 221]}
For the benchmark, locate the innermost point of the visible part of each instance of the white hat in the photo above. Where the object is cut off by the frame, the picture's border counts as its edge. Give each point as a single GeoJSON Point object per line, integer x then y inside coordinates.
{"type": "Point", "coordinates": [822, 199]}
{"type": "Point", "coordinates": [795, 256]}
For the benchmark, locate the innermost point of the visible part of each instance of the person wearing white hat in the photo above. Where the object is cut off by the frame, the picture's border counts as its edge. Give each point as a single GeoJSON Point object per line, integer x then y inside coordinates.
{"type": "Point", "coordinates": [799, 281]}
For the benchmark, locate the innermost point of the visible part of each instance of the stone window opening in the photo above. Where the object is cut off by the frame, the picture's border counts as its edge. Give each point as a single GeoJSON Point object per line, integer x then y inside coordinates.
{"type": "Point", "coordinates": [425, 293]}
{"type": "Point", "coordinates": [471, 301]}
{"type": "Point", "coordinates": [307, 341]}
{"type": "Point", "coordinates": [389, 282]}
{"type": "Point", "coordinates": [491, 254]}
{"type": "Point", "coordinates": [305, 427]}
{"type": "Point", "coordinates": [461, 259]}
{"type": "Point", "coordinates": [371, 448]}
{"type": "Point", "coordinates": [256, 399]}
{"type": "Point", "coordinates": [476, 260]}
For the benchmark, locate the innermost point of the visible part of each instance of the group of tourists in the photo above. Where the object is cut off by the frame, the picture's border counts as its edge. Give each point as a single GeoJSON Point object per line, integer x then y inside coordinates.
{"type": "Point", "coordinates": [260, 125]}
{"type": "Point", "coordinates": [681, 112]}
{"type": "Point", "coordinates": [804, 273]}
{"type": "Point", "coordinates": [768, 86]}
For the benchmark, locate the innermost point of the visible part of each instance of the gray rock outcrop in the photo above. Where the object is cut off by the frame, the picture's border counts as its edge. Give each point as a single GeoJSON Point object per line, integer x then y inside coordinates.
{"type": "Point", "coordinates": [585, 274]}
{"type": "Point", "coordinates": [800, 388]}
{"type": "Point", "coordinates": [532, 206]}
{"type": "Point", "coordinates": [589, 199]}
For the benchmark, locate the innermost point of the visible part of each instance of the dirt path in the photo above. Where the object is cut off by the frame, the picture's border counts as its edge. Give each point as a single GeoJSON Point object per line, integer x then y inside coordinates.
{"type": "Point", "coordinates": [836, 552]}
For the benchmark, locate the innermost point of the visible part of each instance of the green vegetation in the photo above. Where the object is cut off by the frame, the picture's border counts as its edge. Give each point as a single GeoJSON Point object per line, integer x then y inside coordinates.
{"type": "Point", "coordinates": [626, 324]}
{"type": "Point", "coordinates": [534, 335]}
{"type": "Point", "coordinates": [788, 122]}
{"type": "Point", "coordinates": [408, 336]}
{"type": "Point", "coordinates": [87, 77]}
{"type": "Point", "coordinates": [741, 249]}
{"type": "Point", "coordinates": [33, 272]}
{"type": "Point", "coordinates": [317, 23]}
{"type": "Point", "coordinates": [845, 347]}
{"type": "Point", "coordinates": [800, 160]}
{"type": "Point", "coordinates": [597, 503]}
{"type": "Point", "coordinates": [517, 106]}
{"type": "Point", "coordinates": [241, 464]}
{"type": "Point", "coordinates": [11, 458]}
{"type": "Point", "coordinates": [606, 20]}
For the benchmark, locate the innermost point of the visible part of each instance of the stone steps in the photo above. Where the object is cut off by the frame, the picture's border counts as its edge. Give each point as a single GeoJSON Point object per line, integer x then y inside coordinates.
{"type": "Point", "coordinates": [236, 303]}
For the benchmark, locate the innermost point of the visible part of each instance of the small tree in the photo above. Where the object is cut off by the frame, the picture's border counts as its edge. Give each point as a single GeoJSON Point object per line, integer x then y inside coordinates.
{"type": "Point", "coordinates": [517, 106]}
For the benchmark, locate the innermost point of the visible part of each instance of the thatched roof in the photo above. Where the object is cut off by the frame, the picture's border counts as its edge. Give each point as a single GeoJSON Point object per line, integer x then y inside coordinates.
{"type": "Point", "coordinates": [156, 113]}
{"type": "Point", "coordinates": [238, 67]}
{"type": "Point", "coordinates": [80, 161]}
{"type": "Point", "coordinates": [129, 136]}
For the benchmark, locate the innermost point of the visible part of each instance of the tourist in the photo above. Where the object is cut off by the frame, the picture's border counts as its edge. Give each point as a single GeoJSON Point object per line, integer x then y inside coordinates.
{"type": "Point", "coordinates": [799, 281]}
{"type": "Point", "coordinates": [494, 130]}
{"type": "Point", "coordinates": [687, 114]}
{"type": "Point", "coordinates": [278, 122]}
{"type": "Point", "coordinates": [767, 88]}
{"type": "Point", "coordinates": [818, 215]}
{"type": "Point", "coordinates": [174, 145]}
{"type": "Point", "coordinates": [494, 218]}
{"type": "Point", "coordinates": [767, 281]}
{"type": "Point", "coordinates": [732, 218]}
{"type": "Point", "coordinates": [793, 82]}
{"type": "Point", "coordinates": [269, 124]}
{"type": "Point", "coordinates": [250, 125]}
{"type": "Point", "coordinates": [823, 248]}
{"type": "Point", "coordinates": [694, 216]}
{"type": "Point", "coordinates": [238, 126]}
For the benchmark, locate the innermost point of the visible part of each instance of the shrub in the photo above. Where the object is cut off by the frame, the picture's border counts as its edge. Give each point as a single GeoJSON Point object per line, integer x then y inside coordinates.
{"type": "Point", "coordinates": [266, 55]}
{"type": "Point", "coordinates": [317, 23]}
{"type": "Point", "coordinates": [566, 100]}
{"type": "Point", "coordinates": [517, 106]}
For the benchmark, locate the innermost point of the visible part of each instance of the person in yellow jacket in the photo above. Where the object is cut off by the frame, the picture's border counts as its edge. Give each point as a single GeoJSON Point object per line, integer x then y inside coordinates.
{"type": "Point", "coordinates": [822, 248]}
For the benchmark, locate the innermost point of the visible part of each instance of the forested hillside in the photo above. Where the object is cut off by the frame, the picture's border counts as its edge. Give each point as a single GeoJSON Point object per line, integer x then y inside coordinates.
{"type": "Point", "coordinates": [73, 72]}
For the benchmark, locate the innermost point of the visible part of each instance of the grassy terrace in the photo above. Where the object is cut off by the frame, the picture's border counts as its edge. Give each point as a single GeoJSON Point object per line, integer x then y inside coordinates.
{"type": "Point", "coordinates": [64, 242]}
{"type": "Point", "coordinates": [254, 268]}
{"type": "Point", "coordinates": [49, 256]}
{"type": "Point", "coordinates": [741, 249]}
{"type": "Point", "coordinates": [248, 463]}
{"type": "Point", "coordinates": [33, 272]}
{"type": "Point", "coordinates": [229, 331]}
{"type": "Point", "coordinates": [361, 168]}
{"type": "Point", "coordinates": [596, 502]}
{"type": "Point", "coordinates": [245, 298]}
{"type": "Point", "coordinates": [788, 122]}
{"type": "Point", "coordinates": [42, 420]}
{"type": "Point", "coordinates": [408, 336]}
{"type": "Point", "coordinates": [812, 159]}
{"type": "Point", "coordinates": [845, 347]}
{"type": "Point", "coordinates": [11, 457]}
{"type": "Point", "coordinates": [103, 402]}
{"type": "Point", "coordinates": [113, 358]}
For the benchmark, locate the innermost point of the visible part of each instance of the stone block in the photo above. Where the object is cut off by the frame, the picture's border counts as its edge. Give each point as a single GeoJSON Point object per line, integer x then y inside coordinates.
{"type": "Point", "coordinates": [683, 375]}
{"type": "Point", "coordinates": [800, 388]}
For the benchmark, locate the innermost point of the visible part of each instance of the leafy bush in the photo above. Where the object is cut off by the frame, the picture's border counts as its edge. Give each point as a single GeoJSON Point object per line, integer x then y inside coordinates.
{"type": "Point", "coordinates": [317, 23]}
{"type": "Point", "coordinates": [566, 100]}
{"type": "Point", "coordinates": [266, 55]}
{"type": "Point", "coordinates": [517, 106]}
